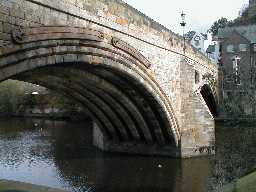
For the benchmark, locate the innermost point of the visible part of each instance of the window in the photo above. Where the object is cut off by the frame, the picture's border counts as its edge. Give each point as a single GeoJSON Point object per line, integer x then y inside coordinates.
{"type": "Point", "coordinates": [228, 79]}
{"type": "Point", "coordinates": [230, 49]}
{"type": "Point", "coordinates": [254, 47]}
{"type": "Point", "coordinates": [197, 77]}
{"type": "Point", "coordinates": [220, 48]}
{"type": "Point", "coordinates": [236, 61]}
{"type": "Point", "coordinates": [237, 79]}
{"type": "Point", "coordinates": [197, 43]}
{"type": "Point", "coordinates": [242, 47]}
{"type": "Point", "coordinates": [197, 38]}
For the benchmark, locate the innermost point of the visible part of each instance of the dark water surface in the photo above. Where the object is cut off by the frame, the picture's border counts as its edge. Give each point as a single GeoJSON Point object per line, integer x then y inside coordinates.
{"type": "Point", "coordinates": [60, 154]}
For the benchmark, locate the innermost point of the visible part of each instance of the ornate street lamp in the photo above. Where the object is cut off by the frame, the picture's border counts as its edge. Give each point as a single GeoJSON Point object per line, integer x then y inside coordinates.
{"type": "Point", "coordinates": [183, 24]}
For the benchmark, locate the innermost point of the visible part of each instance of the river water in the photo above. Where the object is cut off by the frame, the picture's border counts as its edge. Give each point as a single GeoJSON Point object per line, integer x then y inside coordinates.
{"type": "Point", "coordinates": [60, 154]}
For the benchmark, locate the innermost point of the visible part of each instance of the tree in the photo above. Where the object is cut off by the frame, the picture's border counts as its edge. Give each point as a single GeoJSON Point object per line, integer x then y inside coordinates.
{"type": "Point", "coordinates": [210, 79]}
{"type": "Point", "coordinates": [11, 96]}
{"type": "Point", "coordinates": [221, 23]}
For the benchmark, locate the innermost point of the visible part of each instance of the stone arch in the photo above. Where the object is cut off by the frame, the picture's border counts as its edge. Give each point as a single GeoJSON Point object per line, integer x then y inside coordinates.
{"type": "Point", "coordinates": [209, 99]}
{"type": "Point", "coordinates": [108, 76]}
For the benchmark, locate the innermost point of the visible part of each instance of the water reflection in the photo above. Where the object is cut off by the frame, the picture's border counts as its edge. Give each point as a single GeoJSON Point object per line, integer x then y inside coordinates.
{"type": "Point", "coordinates": [60, 154]}
{"type": "Point", "coordinates": [79, 163]}
{"type": "Point", "coordinates": [236, 153]}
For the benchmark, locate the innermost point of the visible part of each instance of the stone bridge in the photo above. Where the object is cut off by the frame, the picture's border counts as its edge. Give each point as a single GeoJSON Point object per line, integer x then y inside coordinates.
{"type": "Point", "coordinates": [130, 73]}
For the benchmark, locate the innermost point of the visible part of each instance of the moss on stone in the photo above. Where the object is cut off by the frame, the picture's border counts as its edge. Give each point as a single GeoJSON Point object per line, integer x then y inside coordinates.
{"type": "Point", "coordinates": [245, 184]}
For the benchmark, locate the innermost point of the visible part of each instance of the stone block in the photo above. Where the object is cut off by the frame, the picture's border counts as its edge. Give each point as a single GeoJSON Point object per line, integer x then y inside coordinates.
{"type": "Point", "coordinates": [4, 9]}
{"type": "Point", "coordinates": [7, 28]}
{"type": "Point", "coordinates": [5, 36]}
{"type": "Point", "coordinates": [1, 27]}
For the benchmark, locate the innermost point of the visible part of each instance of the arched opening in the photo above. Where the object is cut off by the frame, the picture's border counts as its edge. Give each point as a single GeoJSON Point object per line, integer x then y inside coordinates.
{"type": "Point", "coordinates": [209, 99]}
{"type": "Point", "coordinates": [107, 76]}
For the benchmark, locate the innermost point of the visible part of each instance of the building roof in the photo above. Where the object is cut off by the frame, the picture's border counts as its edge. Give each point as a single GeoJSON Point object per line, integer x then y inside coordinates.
{"type": "Point", "coordinates": [205, 36]}
{"type": "Point", "coordinates": [249, 32]}
{"type": "Point", "coordinates": [189, 35]}
{"type": "Point", "coordinates": [210, 49]}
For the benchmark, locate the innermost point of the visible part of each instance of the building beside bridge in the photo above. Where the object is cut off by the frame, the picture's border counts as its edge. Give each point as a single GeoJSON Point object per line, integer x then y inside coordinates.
{"type": "Point", "coordinates": [238, 66]}
{"type": "Point", "coordinates": [196, 40]}
{"type": "Point", "coordinates": [252, 8]}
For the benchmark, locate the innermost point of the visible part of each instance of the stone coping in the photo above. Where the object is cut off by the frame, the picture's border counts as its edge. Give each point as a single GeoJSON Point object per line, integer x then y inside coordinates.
{"type": "Point", "coordinates": [16, 186]}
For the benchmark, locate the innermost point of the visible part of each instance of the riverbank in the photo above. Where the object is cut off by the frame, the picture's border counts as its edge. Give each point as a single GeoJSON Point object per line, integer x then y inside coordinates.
{"type": "Point", "coordinates": [235, 120]}
{"type": "Point", "coordinates": [76, 116]}
{"type": "Point", "coordinates": [244, 184]}
{"type": "Point", "coordinates": [15, 186]}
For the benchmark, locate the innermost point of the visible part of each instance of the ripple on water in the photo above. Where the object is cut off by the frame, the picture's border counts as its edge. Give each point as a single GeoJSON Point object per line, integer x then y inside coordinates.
{"type": "Point", "coordinates": [60, 154]}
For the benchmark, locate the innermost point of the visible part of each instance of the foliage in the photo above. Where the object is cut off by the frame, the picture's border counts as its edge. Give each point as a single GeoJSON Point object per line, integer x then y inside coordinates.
{"type": "Point", "coordinates": [16, 97]}
{"type": "Point", "coordinates": [221, 23]}
{"type": "Point", "coordinates": [242, 19]}
{"type": "Point", "coordinates": [211, 81]}
{"type": "Point", "coordinates": [11, 97]}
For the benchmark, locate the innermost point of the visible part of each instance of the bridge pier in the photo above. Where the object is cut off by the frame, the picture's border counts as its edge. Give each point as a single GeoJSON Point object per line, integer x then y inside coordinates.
{"type": "Point", "coordinates": [197, 125]}
{"type": "Point", "coordinates": [132, 147]}
{"type": "Point", "coordinates": [192, 143]}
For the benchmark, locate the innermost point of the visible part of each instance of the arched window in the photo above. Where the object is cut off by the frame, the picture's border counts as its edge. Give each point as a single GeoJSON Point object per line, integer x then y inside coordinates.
{"type": "Point", "coordinates": [197, 77]}
{"type": "Point", "coordinates": [230, 48]}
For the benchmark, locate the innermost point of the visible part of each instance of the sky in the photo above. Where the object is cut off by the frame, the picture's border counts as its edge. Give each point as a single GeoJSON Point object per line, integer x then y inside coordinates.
{"type": "Point", "coordinates": [200, 14]}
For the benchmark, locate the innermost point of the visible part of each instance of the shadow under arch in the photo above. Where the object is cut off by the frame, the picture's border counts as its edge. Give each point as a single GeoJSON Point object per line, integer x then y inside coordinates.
{"type": "Point", "coordinates": [108, 76]}
{"type": "Point", "coordinates": [209, 99]}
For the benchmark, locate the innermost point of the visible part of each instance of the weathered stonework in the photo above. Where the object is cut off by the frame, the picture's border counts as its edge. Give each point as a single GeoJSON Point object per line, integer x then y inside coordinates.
{"type": "Point", "coordinates": [140, 89]}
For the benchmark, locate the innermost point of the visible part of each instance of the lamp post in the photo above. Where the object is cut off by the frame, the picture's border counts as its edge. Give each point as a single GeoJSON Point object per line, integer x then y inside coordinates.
{"type": "Point", "coordinates": [183, 24]}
